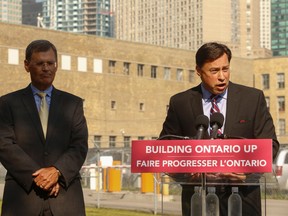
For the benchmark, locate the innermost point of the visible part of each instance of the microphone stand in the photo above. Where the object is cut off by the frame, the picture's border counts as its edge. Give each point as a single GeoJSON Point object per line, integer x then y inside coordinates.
{"type": "Point", "coordinates": [203, 194]}
{"type": "Point", "coordinates": [161, 138]}
{"type": "Point", "coordinates": [203, 175]}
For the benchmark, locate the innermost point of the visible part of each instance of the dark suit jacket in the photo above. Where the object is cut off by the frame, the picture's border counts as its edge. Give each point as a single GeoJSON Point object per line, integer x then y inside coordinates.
{"type": "Point", "coordinates": [23, 150]}
{"type": "Point", "coordinates": [246, 116]}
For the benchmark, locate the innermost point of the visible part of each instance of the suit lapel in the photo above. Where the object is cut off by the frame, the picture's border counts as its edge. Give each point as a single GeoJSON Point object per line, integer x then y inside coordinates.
{"type": "Point", "coordinates": [56, 106]}
{"type": "Point", "coordinates": [30, 105]}
{"type": "Point", "coordinates": [232, 107]}
{"type": "Point", "coordinates": [196, 101]}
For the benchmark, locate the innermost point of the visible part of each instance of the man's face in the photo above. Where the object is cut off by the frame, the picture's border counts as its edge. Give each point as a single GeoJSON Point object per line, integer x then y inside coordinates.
{"type": "Point", "coordinates": [215, 75]}
{"type": "Point", "coordinates": [42, 68]}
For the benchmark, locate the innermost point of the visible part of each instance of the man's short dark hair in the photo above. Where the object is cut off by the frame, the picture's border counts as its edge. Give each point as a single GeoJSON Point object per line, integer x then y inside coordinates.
{"type": "Point", "coordinates": [209, 52]}
{"type": "Point", "coordinates": [39, 46]}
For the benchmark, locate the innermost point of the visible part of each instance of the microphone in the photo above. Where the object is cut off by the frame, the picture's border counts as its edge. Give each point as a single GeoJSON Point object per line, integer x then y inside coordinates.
{"type": "Point", "coordinates": [216, 122]}
{"type": "Point", "coordinates": [201, 124]}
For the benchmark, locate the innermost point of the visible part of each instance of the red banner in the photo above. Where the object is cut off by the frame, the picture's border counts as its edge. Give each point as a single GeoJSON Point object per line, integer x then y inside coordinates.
{"type": "Point", "coordinates": [189, 156]}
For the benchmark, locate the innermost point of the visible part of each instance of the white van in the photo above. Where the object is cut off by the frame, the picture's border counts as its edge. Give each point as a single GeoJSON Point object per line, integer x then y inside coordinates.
{"type": "Point", "coordinates": [281, 168]}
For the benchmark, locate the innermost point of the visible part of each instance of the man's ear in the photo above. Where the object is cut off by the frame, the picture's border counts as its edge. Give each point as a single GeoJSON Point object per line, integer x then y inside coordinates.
{"type": "Point", "coordinates": [26, 65]}
{"type": "Point", "coordinates": [198, 71]}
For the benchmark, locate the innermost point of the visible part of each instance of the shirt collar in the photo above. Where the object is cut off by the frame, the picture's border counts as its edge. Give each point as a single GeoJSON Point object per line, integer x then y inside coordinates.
{"type": "Point", "coordinates": [207, 95]}
{"type": "Point", "coordinates": [48, 91]}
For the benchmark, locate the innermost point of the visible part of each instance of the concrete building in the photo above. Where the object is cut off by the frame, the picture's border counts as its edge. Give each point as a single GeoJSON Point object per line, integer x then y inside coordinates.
{"type": "Point", "coordinates": [11, 11]}
{"type": "Point", "coordinates": [126, 86]}
{"type": "Point", "coordinates": [187, 24]}
{"type": "Point", "coordinates": [271, 75]}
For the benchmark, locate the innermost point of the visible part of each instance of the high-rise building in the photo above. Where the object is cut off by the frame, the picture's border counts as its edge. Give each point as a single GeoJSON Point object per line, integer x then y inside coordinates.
{"type": "Point", "coordinates": [96, 17]}
{"type": "Point", "coordinates": [63, 15]}
{"type": "Point", "coordinates": [31, 12]}
{"type": "Point", "coordinates": [81, 16]}
{"type": "Point", "coordinates": [11, 11]}
{"type": "Point", "coordinates": [265, 24]}
{"type": "Point", "coordinates": [279, 27]}
{"type": "Point", "coordinates": [187, 24]}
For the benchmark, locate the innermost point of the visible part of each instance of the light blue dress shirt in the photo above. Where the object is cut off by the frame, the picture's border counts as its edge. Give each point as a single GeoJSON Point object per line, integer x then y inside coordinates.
{"type": "Point", "coordinates": [37, 97]}
{"type": "Point", "coordinates": [207, 103]}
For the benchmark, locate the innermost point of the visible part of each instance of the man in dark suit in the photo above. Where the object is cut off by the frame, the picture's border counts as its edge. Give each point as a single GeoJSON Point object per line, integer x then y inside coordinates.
{"type": "Point", "coordinates": [42, 165]}
{"type": "Point", "coordinates": [245, 113]}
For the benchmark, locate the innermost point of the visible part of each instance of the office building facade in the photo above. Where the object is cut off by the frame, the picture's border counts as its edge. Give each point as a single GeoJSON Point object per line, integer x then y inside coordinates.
{"type": "Point", "coordinates": [187, 24]}
{"type": "Point", "coordinates": [11, 11]}
{"type": "Point", "coordinates": [265, 24]}
{"type": "Point", "coordinates": [126, 86]}
{"type": "Point", "coordinates": [31, 12]}
{"type": "Point", "coordinates": [79, 16]}
{"type": "Point", "coordinates": [279, 27]}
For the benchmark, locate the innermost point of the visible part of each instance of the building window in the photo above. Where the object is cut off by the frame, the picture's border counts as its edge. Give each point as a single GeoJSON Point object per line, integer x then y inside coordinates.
{"type": "Point", "coordinates": [265, 81]}
{"type": "Point", "coordinates": [112, 141]}
{"type": "Point", "coordinates": [268, 102]}
{"type": "Point", "coordinates": [13, 56]}
{"type": "Point", "coordinates": [126, 66]}
{"type": "Point", "coordinates": [66, 62]}
{"type": "Point", "coordinates": [281, 80]}
{"type": "Point", "coordinates": [112, 65]}
{"type": "Point", "coordinates": [167, 73]}
{"type": "Point", "coordinates": [281, 103]}
{"type": "Point", "coordinates": [97, 141]}
{"type": "Point", "coordinates": [127, 141]}
{"type": "Point", "coordinates": [179, 74]}
{"type": "Point", "coordinates": [82, 64]}
{"type": "Point", "coordinates": [140, 70]}
{"type": "Point", "coordinates": [282, 127]}
{"type": "Point", "coordinates": [191, 75]}
{"type": "Point", "coordinates": [141, 107]}
{"type": "Point", "coordinates": [153, 72]}
{"type": "Point", "coordinates": [97, 66]}
{"type": "Point", "coordinates": [141, 137]}
{"type": "Point", "coordinates": [113, 104]}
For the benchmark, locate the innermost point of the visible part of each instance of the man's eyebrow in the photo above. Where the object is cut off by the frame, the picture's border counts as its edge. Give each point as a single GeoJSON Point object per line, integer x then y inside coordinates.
{"type": "Point", "coordinates": [220, 67]}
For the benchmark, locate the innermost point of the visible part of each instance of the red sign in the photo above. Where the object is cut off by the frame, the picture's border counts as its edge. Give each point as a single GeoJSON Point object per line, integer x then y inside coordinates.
{"type": "Point", "coordinates": [189, 156]}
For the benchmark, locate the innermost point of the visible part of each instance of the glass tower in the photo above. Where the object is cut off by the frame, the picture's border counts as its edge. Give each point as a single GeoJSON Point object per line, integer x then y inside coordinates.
{"type": "Point", "coordinates": [279, 27]}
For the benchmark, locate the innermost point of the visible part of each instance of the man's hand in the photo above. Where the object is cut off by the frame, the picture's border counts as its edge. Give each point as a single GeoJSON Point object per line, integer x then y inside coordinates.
{"type": "Point", "coordinates": [218, 177]}
{"type": "Point", "coordinates": [55, 190]}
{"type": "Point", "coordinates": [47, 178]}
{"type": "Point", "coordinates": [233, 176]}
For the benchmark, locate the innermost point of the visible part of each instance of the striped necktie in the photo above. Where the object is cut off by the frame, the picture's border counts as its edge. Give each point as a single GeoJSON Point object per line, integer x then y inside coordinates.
{"type": "Point", "coordinates": [214, 109]}
{"type": "Point", "coordinates": [43, 112]}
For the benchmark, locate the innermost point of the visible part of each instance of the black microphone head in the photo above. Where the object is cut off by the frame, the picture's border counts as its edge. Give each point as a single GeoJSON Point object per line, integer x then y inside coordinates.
{"type": "Point", "coordinates": [217, 118]}
{"type": "Point", "coordinates": [202, 120]}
